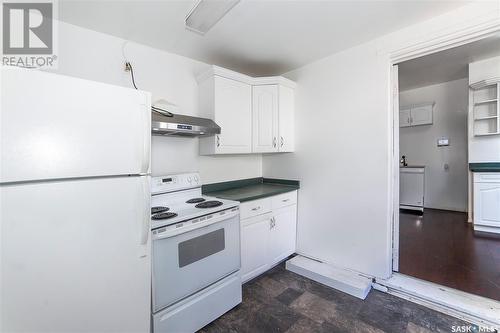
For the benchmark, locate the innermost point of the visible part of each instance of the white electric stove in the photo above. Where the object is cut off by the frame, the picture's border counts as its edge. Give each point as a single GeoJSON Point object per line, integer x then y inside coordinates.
{"type": "Point", "coordinates": [196, 254]}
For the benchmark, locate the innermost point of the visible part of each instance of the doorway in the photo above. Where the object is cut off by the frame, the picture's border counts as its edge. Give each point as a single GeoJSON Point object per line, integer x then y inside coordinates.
{"type": "Point", "coordinates": [436, 235]}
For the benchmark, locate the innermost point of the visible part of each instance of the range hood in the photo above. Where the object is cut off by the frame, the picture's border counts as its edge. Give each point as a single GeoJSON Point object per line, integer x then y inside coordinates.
{"type": "Point", "coordinates": [178, 124]}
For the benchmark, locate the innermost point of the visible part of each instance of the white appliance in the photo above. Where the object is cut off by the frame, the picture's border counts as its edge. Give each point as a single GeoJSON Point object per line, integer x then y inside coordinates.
{"type": "Point", "coordinates": [196, 254]}
{"type": "Point", "coordinates": [411, 187]}
{"type": "Point", "coordinates": [75, 201]}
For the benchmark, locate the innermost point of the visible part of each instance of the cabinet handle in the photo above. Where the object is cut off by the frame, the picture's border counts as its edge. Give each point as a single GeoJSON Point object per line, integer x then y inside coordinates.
{"type": "Point", "coordinates": [285, 200]}
{"type": "Point", "coordinates": [256, 208]}
{"type": "Point", "coordinates": [274, 142]}
{"type": "Point", "coordinates": [218, 141]}
{"type": "Point", "coordinates": [282, 141]}
{"type": "Point", "coordinates": [409, 120]}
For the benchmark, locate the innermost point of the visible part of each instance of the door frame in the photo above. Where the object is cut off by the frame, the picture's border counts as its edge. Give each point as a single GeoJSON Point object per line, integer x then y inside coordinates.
{"type": "Point", "coordinates": [457, 38]}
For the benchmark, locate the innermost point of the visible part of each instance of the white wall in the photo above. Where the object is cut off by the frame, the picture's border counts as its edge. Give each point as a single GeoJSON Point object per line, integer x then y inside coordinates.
{"type": "Point", "coordinates": [343, 133]}
{"type": "Point", "coordinates": [91, 55]}
{"type": "Point", "coordinates": [444, 189]}
{"type": "Point", "coordinates": [485, 148]}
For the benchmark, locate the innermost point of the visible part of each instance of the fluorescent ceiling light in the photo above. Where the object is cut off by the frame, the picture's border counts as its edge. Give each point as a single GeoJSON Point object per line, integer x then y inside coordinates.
{"type": "Point", "coordinates": [206, 13]}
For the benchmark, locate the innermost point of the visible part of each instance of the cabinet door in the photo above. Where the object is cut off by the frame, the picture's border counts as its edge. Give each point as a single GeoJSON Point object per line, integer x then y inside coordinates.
{"type": "Point", "coordinates": [286, 131]}
{"type": "Point", "coordinates": [265, 118]}
{"type": "Point", "coordinates": [283, 233]}
{"type": "Point", "coordinates": [254, 246]}
{"type": "Point", "coordinates": [404, 117]}
{"type": "Point", "coordinates": [487, 204]}
{"type": "Point", "coordinates": [411, 186]}
{"type": "Point", "coordinates": [421, 115]}
{"type": "Point", "coordinates": [233, 113]}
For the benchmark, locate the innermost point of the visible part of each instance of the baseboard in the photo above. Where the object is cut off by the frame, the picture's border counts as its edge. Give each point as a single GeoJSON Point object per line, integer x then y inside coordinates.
{"type": "Point", "coordinates": [334, 277]}
{"type": "Point", "coordinates": [472, 308]}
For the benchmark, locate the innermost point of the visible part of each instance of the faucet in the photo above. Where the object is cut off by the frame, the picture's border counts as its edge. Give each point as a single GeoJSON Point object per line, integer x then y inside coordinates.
{"type": "Point", "coordinates": [403, 161]}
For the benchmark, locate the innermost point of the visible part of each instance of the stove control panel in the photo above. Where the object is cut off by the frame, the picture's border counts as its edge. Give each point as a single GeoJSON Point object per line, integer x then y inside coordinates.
{"type": "Point", "coordinates": [171, 183]}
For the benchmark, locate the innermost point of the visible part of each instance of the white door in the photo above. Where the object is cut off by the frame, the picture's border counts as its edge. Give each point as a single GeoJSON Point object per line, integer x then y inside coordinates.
{"type": "Point", "coordinates": [75, 256]}
{"type": "Point", "coordinates": [54, 126]}
{"type": "Point", "coordinates": [283, 233]}
{"type": "Point", "coordinates": [265, 118]}
{"type": "Point", "coordinates": [286, 131]}
{"type": "Point", "coordinates": [254, 246]}
{"type": "Point", "coordinates": [233, 113]}
{"type": "Point", "coordinates": [405, 117]}
{"type": "Point", "coordinates": [487, 204]}
{"type": "Point", "coordinates": [421, 115]}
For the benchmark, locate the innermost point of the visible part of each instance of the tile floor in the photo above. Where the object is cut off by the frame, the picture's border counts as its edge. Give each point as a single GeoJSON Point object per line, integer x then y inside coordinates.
{"type": "Point", "coordinates": [282, 301]}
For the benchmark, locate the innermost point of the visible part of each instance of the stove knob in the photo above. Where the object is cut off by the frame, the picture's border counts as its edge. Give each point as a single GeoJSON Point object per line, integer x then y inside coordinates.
{"type": "Point", "coordinates": [196, 179]}
{"type": "Point", "coordinates": [189, 180]}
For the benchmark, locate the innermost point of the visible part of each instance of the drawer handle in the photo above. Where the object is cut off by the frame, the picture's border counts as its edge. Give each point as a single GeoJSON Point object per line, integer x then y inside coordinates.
{"type": "Point", "coordinates": [285, 200]}
{"type": "Point", "coordinates": [256, 208]}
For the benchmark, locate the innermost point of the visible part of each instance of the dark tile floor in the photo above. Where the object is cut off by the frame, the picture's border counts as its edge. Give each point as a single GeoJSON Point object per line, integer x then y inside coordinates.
{"type": "Point", "coordinates": [282, 301]}
{"type": "Point", "coordinates": [443, 248]}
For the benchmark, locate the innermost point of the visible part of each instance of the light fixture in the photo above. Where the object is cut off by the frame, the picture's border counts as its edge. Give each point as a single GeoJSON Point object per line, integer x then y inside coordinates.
{"type": "Point", "coordinates": [206, 13]}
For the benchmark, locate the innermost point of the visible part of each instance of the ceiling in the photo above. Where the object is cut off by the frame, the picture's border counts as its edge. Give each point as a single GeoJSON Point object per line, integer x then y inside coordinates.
{"type": "Point", "coordinates": [446, 65]}
{"type": "Point", "coordinates": [256, 37]}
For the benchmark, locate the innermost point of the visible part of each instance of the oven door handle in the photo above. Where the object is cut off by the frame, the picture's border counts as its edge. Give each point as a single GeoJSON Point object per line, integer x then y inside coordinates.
{"type": "Point", "coordinates": [188, 226]}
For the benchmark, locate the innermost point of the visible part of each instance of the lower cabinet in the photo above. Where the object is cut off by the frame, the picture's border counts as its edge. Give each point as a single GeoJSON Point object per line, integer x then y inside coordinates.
{"type": "Point", "coordinates": [269, 236]}
{"type": "Point", "coordinates": [487, 202]}
{"type": "Point", "coordinates": [283, 233]}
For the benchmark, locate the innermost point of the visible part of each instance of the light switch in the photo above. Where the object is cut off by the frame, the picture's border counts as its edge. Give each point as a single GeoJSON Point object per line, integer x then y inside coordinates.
{"type": "Point", "coordinates": [443, 142]}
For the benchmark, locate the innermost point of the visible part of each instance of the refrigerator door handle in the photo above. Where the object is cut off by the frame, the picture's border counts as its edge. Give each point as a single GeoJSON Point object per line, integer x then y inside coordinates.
{"type": "Point", "coordinates": [146, 116]}
{"type": "Point", "coordinates": [145, 227]}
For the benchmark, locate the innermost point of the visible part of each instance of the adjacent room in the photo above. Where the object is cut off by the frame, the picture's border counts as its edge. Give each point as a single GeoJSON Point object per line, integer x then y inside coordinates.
{"type": "Point", "coordinates": [445, 125]}
{"type": "Point", "coordinates": [249, 166]}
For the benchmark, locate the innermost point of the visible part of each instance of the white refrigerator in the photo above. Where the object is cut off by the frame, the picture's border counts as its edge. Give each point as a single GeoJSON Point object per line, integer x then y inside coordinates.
{"type": "Point", "coordinates": [74, 205]}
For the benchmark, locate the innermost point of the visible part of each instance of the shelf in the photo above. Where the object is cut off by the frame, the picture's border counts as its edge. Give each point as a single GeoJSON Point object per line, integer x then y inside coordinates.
{"type": "Point", "coordinates": [486, 118]}
{"type": "Point", "coordinates": [488, 101]}
{"type": "Point", "coordinates": [487, 134]}
{"type": "Point", "coordinates": [484, 84]}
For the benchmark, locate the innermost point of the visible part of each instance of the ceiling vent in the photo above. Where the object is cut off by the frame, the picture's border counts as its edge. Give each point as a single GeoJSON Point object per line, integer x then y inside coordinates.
{"type": "Point", "coordinates": [206, 13]}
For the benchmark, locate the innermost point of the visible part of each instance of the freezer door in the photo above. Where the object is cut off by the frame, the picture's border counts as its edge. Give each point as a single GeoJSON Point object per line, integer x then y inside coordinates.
{"type": "Point", "coordinates": [75, 256]}
{"type": "Point", "coordinates": [54, 126]}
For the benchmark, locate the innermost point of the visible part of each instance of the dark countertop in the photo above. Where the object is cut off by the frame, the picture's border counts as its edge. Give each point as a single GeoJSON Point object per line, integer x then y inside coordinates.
{"type": "Point", "coordinates": [250, 189]}
{"type": "Point", "coordinates": [485, 167]}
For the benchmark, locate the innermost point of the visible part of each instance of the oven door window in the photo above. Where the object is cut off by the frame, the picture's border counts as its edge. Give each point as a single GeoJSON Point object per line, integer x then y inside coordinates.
{"type": "Point", "coordinates": [200, 247]}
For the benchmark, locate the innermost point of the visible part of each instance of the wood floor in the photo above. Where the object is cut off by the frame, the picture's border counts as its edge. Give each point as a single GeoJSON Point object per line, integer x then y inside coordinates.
{"type": "Point", "coordinates": [282, 301]}
{"type": "Point", "coordinates": [441, 247]}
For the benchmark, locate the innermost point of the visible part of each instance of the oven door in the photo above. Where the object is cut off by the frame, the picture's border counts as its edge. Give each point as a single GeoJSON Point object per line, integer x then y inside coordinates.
{"type": "Point", "coordinates": [191, 255]}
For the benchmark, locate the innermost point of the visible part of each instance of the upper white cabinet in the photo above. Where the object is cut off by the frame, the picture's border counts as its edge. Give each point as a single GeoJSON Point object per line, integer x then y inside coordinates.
{"type": "Point", "coordinates": [404, 117]}
{"type": "Point", "coordinates": [256, 115]}
{"type": "Point", "coordinates": [416, 115]}
{"type": "Point", "coordinates": [265, 118]}
{"type": "Point", "coordinates": [228, 102]}
{"type": "Point", "coordinates": [273, 118]}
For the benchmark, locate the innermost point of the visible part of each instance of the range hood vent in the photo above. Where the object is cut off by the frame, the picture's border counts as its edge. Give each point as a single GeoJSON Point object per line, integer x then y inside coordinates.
{"type": "Point", "coordinates": [182, 125]}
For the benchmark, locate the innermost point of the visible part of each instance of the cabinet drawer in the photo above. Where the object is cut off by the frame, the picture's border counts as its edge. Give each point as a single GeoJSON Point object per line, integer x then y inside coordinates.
{"type": "Point", "coordinates": [487, 177]}
{"type": "Point", "coordinates": [255, 207]}
{"type": "Point", "coordinates": [285, 199]}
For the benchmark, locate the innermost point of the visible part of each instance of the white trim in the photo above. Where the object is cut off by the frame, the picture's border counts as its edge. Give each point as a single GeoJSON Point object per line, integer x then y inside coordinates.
{"type": "Point", "coordinates": [229, 74]}
{"type": "Point", "coordinates": [395, 168]}
{"type": "Point", "coordinates": [476, 309]}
